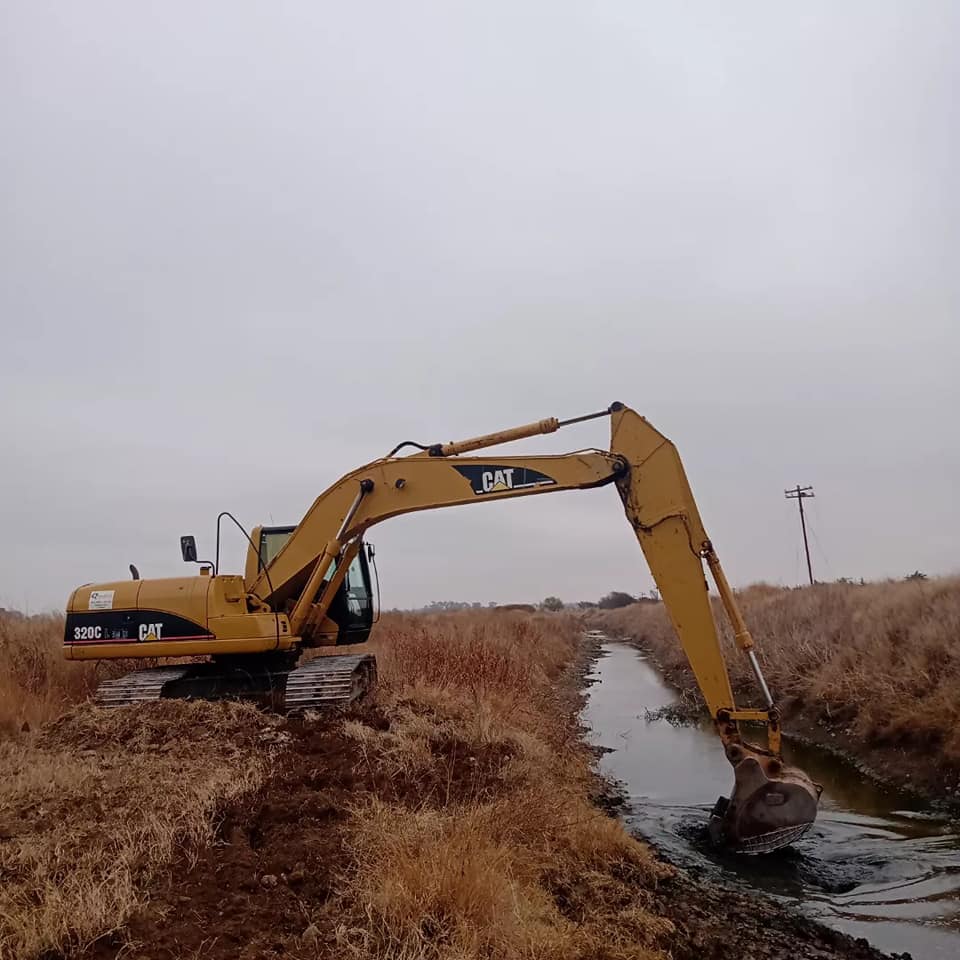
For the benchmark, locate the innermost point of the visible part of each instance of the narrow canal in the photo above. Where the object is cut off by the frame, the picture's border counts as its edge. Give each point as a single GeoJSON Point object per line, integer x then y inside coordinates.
{"type": "Point", "coordinates": [877, 863]}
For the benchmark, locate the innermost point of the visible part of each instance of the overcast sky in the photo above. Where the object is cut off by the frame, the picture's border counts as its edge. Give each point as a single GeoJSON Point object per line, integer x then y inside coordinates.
{"type": "Point", "coordinates": [246, 247]}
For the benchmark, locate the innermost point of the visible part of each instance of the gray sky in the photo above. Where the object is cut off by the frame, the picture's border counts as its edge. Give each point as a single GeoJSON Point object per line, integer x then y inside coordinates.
{"type": "Point", "coordinates": [248, 247]}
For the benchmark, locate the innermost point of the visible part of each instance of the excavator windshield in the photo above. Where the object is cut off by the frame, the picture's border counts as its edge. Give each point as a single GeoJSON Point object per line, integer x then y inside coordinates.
{"type": "Point", "coordinates": [271, 541]}
{"type": "Point", "coordinates": [352, 608]}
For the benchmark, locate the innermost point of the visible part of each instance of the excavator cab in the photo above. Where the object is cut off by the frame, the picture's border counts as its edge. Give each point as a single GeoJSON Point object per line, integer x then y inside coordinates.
{"type": "Point", "coordinates": [269, 541]}
{"type": "Point", "coordinates": [355, 606]}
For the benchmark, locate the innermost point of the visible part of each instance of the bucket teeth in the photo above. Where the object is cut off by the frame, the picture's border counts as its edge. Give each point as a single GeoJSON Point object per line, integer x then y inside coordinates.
{"type": "Point", "coordinates": [774, 840]}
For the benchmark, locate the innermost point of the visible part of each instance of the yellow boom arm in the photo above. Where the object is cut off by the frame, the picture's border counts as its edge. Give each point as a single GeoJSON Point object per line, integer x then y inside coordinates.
{"type": "Point", "coordinates": [656, 496]}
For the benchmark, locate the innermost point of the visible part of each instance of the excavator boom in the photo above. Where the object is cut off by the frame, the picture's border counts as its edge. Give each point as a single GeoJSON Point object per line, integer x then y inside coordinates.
{"type": "Point", "coordinates": [309, 586]}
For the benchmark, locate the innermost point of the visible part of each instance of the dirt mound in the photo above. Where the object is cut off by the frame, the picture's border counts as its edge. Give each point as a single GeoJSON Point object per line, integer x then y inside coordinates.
{"type": "Point", "coordinates": [271, 885]}
{"type": "Point", "coordinates": [265, 887]}
{"type": "Point", "coordinates": [153, 726]}
{"type": "Point", "coordinates": [97, 805]}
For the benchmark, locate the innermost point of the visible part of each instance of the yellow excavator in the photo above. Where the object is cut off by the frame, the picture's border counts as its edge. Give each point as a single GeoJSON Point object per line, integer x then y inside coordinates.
{"type": "Point", "coordinates": [310, 585]}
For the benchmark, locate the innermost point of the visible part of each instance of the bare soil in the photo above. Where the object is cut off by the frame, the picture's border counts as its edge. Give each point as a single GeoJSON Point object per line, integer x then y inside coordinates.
{"type": "Point", "coordinates": [262, 890]}
{"type": "Point", "coordinates": [266, 887]}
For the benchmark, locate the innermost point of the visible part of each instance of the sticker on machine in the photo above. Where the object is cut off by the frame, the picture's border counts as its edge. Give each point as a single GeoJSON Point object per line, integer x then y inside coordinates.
{"type": "Point", "coordinates": [500, 478]}
{"type": "Point", "coordinates": [100, 600]}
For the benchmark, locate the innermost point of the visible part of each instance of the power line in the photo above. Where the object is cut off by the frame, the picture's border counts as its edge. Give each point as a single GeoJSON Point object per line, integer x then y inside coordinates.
{"type": "Point", "coordinates": [819, 548]}
{"type": "Point", "coordinates": [800, 494]}
{"type": "Point", "coordinates": [817, 543]}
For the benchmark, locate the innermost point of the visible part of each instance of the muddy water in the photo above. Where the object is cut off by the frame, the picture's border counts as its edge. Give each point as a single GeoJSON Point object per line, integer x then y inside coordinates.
{"type": "Point", "coordinates": [877, 864]}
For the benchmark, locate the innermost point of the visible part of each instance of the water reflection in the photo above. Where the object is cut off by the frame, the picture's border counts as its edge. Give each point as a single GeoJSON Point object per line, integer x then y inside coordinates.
{"type": "Point", "coordinates": [876, 864]}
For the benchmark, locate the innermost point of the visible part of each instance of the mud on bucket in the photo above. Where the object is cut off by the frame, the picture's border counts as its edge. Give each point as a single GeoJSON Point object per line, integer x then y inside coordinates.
{"type": "Point", "coordinates": [771, 806]}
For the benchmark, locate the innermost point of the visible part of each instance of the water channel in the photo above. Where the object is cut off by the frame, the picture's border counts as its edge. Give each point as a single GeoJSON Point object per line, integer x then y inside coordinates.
{"type": "Point", "coordinates": [877, 864]}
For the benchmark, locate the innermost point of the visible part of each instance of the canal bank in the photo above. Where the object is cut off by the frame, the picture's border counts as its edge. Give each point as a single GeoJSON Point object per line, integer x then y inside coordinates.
{"type": "Point", "coordinates": [878, 864]}
{"type": "Point", "coordinates": [869, 671]}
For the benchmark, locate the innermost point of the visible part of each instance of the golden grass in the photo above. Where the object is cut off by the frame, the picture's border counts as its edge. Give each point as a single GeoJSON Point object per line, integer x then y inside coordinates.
{"type": "Point", "coordinates": [93, 808]}
{"type": "Point", "coordinates": [94, 804]}
{"type": "Point", "coordinates": [531, 869]}
{"type": "Point", "coordinates": [529, 874]}
{"type": "Point", "coordinates": [502, 855]}
{"type": "Point", "coordinates": [883, 658]}
{"type": "Point", "coordinates": [36, 683]}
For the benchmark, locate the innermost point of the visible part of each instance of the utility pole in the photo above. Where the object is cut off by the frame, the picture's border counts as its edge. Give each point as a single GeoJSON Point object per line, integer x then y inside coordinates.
{"type": "Point", "coordinates": [799, 494]}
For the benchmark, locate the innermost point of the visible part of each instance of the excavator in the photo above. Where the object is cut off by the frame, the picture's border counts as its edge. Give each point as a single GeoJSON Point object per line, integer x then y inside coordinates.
{"type": "Point", "coordinates": [309, 585]}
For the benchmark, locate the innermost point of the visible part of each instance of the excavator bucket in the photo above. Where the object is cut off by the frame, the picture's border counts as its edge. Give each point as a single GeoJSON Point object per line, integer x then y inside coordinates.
{"type": "Point", "coordinates": [771, 806]}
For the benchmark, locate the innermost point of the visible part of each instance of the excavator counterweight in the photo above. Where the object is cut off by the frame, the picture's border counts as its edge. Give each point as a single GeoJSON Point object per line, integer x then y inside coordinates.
{"type": "Point", "coordinates": [309, 586]}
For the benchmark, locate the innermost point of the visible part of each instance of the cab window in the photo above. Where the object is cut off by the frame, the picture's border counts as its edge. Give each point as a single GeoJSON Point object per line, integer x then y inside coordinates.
{"type": "Point", "coordinates": [357, 588]}
{"type": "Point", "coordinates": [272, 540]}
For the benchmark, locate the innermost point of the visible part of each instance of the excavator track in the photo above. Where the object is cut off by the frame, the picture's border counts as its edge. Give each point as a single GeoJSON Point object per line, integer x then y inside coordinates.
{"type": "Point", "coordinates": [142, 686]}
{"type": "Point", "coordinates": [328, 681]}
{"type": "Point", "coordinates": [322, 682]}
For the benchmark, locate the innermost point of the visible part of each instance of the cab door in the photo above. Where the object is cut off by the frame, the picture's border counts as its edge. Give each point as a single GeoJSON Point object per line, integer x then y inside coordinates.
{"type": "Point", "coordinates": [352, 608]}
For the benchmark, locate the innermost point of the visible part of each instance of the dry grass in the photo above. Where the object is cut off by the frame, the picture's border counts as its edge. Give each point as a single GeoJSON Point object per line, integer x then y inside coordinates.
{"type": "Point", "coordinates": [95, 804]}
{"type": "Point", "coordinates": [529, 874]}
{"type": "Point", "coordinates": [529, 870]}
{"type": "Point", "coordinates": [36, 683]}
{"type": "Point", "coordinates": [883, 658]}
{"type": "Point", "coordinates": [516, 862]}
{"type": "Point", "coordinates": [94, 807]}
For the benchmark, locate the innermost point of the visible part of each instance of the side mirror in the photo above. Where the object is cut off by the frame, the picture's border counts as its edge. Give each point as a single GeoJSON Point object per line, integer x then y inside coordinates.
{"type": "Point", "coordinates": [188, 548]}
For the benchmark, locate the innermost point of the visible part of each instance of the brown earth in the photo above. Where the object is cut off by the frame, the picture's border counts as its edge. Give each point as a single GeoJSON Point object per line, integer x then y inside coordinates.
{"type": "Point", "coordinates": [267, 887]}
{"type": "Point", "coordinates": [263, 888]}
{"type": "Point", "coordinates": [714, 923]}
{"type": "Point", "coordinates": [453, 817]}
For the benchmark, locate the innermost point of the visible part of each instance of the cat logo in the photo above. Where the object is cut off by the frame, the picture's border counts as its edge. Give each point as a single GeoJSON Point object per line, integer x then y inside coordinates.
{"type": "Point", "coordinates": [150, 632]}
{"type": "Point", "coordinates": [499, 478]}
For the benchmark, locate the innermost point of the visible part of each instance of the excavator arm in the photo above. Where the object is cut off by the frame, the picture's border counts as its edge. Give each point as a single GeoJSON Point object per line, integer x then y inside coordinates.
{"type": "Point", "coordinates": [771, 804]}
{"type": "Point", "coordinates": [392, 486]}
{"type": "Point", "coordinates": [642, 463]}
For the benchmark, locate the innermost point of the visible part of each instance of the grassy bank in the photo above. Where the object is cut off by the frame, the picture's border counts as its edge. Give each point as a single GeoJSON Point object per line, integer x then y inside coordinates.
{"type": "Point", "coordinates": [35, 681]}
{"type": "Point", "coordinates": [467, 829]}
{"type": "Point", "coordinates": [448, 817]}
{"type": "Point", "coordinates": [877, 666]}
{"type": "Point", "coordinates": [522, 863]}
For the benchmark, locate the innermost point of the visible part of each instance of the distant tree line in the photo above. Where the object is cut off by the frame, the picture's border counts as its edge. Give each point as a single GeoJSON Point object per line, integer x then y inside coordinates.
{"type": "Point", "coordinates": [610, 601]}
